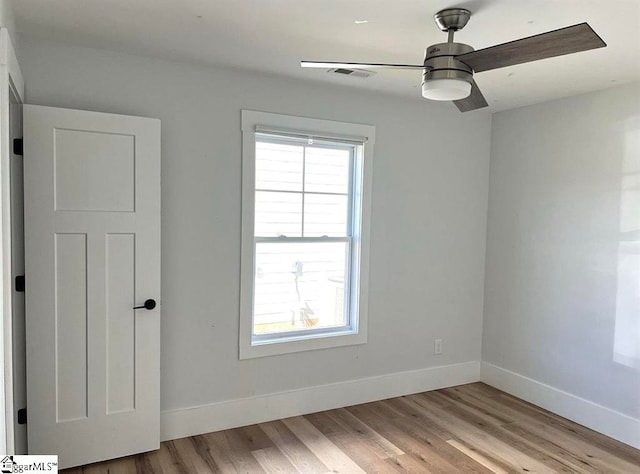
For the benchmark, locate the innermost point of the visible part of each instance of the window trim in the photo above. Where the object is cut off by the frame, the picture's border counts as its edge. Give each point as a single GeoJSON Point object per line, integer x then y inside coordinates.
{"type": "Point", "coordinates": [262, 122]}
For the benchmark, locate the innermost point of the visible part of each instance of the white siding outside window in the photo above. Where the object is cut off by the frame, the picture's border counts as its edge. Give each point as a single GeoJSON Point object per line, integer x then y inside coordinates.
{"type": "Point", "coordinates": [306, 200]}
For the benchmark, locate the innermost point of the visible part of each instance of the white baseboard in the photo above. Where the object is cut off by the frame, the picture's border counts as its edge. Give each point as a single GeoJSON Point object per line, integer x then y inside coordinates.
{"type": "Point", "coordinates": [246, 411]}
{"type": "Point", "coordinates": [597, 417]}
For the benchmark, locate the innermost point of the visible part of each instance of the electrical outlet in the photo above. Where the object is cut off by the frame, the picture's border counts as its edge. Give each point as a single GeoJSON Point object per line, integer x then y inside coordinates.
{"type": "Point", "coordinates": [437, 346]}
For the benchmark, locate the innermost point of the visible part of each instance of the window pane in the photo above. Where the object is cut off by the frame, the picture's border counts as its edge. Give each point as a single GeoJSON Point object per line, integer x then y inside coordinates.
{"type": "Point", "coordinates": [299, 286]}
{"type": "Point", "coordinates": [325, 214]}
{"type": "Point", "coordinates": [278, 167]}
{"type": "Point", "coordinates": [278, 214]}
{"type": "Point", "coordinates": [327, 170]}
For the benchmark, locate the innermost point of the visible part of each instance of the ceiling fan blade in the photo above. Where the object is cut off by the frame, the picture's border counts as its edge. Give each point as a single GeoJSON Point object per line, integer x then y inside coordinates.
{"type": "Point", "coordinates": [475, 100]}
{"type": "Point", "coordinates": [571, 39]}
{"type": "Point", "coordinates": [326, 65]}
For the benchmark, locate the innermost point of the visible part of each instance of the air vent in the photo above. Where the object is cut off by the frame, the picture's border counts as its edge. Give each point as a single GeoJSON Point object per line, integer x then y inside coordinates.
{"type": "Point", "coordinates": [361, 73]}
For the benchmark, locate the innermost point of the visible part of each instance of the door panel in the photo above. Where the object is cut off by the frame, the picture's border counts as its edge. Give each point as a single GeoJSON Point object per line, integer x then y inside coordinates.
{"type": "Point", "coordinates": [120, 269]}
{"type": "Point", "coordinates": [92, 236]}
{"type": "Point", "coordinates": [106, 163]}
{"type": "Point", "coordinates": [70, 316]}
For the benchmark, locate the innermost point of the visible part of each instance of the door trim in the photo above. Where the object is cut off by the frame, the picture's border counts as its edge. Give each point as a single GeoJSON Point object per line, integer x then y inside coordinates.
{"type": "Point", "coordinates": [11, 79]}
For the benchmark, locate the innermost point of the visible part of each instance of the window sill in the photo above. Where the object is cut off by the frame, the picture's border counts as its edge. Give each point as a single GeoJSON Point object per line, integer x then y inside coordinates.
{"type": "Point", "coordinates": [265, 348]}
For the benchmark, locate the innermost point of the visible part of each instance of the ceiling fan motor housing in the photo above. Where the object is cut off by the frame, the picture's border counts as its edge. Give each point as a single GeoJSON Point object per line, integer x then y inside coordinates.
{"type": "Point", "coordinates": [440, 62]}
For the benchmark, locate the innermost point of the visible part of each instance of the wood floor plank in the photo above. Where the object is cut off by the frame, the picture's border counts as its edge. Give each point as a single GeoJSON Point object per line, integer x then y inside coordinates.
{"type": "Point", "coordinates": [571, 462]}
{"type": "Point", "coordinates": [417, 425]}
{"type": "Point", "coordinates": [520, 408]}
{"type": "Point", "coordinates": [387, 408]}
{"type": "Point", "coordinates": [572, 459]}
{"type": "Point", "coordinates": [528, 415]}
{"type": "Point", "coordinates": [298, 454]}
{"type": "Point", "coordinates": [486, 444]}
{"type": "Point", "coordinates": [523, 444]}
{"type": "Point", "coordinates": [573, 429]}
{"type": "Point", "coordinates": [359, 429]}
{"type": "Point", "coordinates": [273, 460]}
{"type": "Point", "coordinates": [147, 463]}
{"type": "Point", "coordinates": [124, 466]}
{"type": "Point", "coordinates": [98, 468]}
{"type": "Point", "coordinates": [357, 449]}
{"type": "Point", "coordinates": [410, 463]}
{"type": "Point", "coordinates": [203, 451]}
{"type": "Point", "coordinates": [479, 458]}
{"type": "Point", "coordinates": [191, 459]}
{"type": "Point", "coordinates": [327, 452]}
{"type": "Point", "coordinates": [416, 413]}
{"type": "Point", "coordinates": [231, 453]}
{"type": "Point", "coordinates": [588, 454]}
{"type": "Point", "coordinates": [184, 457]}
{"type": "Point", "coordinates": [481, 390]}
{"type": "Point", "coordinates": [489, 413]}
{"type": "Point", "coordinates": [430, 451]}
{"type": "Point", "coordinates": [476, 432]}
{"type": "Point", "coordinates": [255, 437]}
{"type": "Point", "coordinates": [471, 428]}
{"type": "Point", "coordinates": [171, 459]}
{"type": "Point", "coordinates": [546, 446]}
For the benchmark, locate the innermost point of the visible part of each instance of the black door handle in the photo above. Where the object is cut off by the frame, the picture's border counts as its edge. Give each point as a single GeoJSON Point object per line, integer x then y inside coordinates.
{"type": "Point", "coordinates": [149, 304]}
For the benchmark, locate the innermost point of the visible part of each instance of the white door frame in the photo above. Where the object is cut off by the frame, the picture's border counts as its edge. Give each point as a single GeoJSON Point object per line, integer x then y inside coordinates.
{"type": "Point", "coordinates": [10, 79]}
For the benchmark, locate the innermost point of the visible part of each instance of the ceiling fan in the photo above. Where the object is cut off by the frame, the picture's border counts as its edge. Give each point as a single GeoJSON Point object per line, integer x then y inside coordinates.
{"type": "Point", "coordinates": [448, 68]}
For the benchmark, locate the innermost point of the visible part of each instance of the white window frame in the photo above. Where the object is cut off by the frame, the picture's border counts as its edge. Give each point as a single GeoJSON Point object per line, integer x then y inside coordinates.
{"type": "Point", "coordinates": [253, 122]}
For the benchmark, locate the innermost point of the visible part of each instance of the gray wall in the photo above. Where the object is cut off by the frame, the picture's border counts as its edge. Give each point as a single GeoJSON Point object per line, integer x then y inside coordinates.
{"type": "Point", "coordinates": [562, 303]}
{"type": "Point", "coordinates": [7, 19]}
{"type": "Point", "coordinates": [428, 218]}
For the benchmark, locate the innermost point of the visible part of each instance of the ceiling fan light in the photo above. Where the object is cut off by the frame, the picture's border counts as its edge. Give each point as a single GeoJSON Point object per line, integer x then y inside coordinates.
{"type": "Point", "coordinates": [446, 89]}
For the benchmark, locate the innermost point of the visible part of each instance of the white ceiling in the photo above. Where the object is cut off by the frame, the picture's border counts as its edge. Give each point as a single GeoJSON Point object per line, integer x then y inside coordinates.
{"type": "Point", "coordinates": [274, 35]}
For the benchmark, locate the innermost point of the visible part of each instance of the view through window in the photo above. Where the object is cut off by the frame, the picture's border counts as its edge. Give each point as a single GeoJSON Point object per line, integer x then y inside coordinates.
{"type": "Point", "coordinates": [305, 222]}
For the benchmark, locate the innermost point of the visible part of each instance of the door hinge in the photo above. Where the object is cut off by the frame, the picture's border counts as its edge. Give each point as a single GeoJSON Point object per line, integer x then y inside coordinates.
{"type": "Point", "coordinates": [22, 416]}
{"type": "Point", "coordinates": [20, 284]}
{"type": "Point", "coordinates": [18, 146]}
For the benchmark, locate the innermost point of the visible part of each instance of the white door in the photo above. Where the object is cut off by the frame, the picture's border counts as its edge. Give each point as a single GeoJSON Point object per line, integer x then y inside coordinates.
{"type": "Point", "coordinates": [17, 269]}
{"type": "Point", "coordinates": [92, 253]}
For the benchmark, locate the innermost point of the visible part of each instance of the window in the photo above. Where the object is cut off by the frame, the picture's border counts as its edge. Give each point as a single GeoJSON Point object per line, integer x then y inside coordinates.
{"type": "Point", "coordinates": [305, 203]}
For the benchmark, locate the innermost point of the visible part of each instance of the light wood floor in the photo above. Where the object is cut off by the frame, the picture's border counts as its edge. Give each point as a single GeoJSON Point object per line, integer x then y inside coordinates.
{"type": "Point", "coordinates": [470, 428]}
